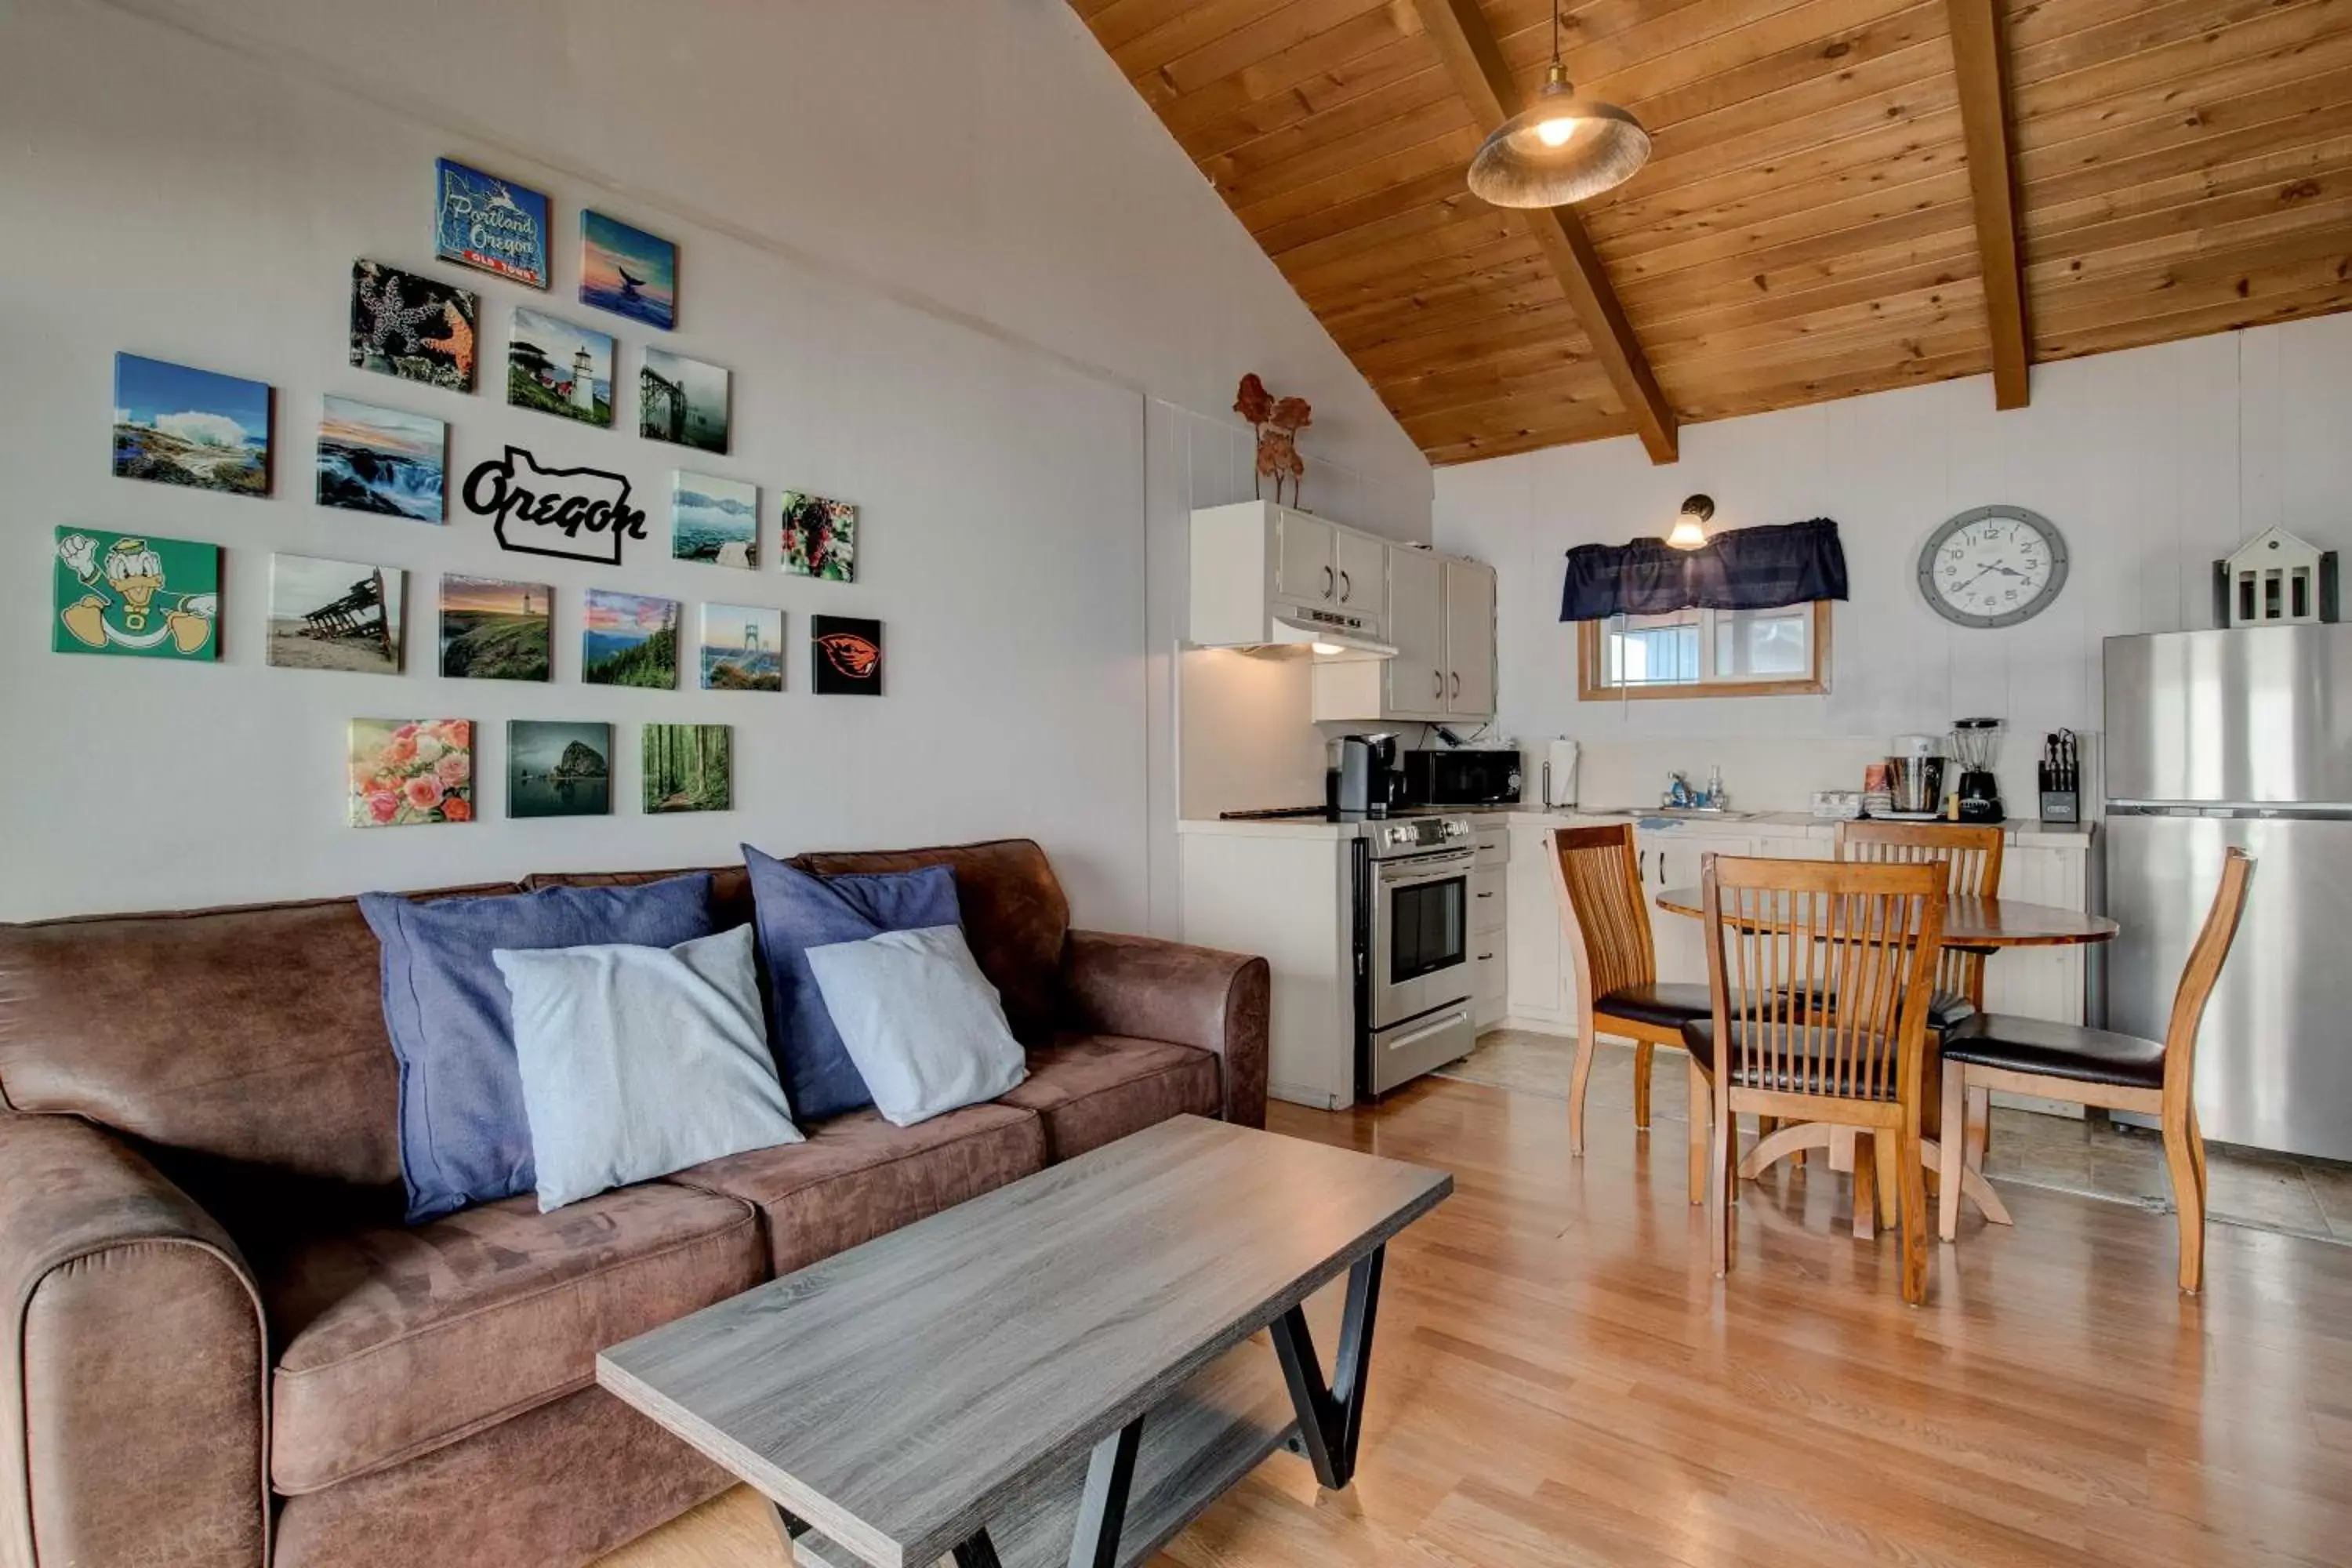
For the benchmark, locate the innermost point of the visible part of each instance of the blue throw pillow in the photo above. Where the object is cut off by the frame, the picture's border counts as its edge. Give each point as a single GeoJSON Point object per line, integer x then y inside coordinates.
{"type": "Point", "coordinates": [796, 911]}
{"type": "Point", "coordinates": [465, 1136]}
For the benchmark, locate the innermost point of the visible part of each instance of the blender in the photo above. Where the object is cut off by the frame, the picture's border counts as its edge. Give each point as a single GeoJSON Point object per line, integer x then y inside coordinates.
{"type": "Point", "coordinates": [1976, 745]}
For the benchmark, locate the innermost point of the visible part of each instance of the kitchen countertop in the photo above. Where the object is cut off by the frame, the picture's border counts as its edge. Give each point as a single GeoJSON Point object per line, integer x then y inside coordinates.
{"type": "Point", "coordinates": [1763, 824]}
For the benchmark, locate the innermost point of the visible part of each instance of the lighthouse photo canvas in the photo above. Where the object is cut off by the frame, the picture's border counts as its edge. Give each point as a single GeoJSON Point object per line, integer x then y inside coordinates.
{"type": "Point", "coordinates": [557, 367]}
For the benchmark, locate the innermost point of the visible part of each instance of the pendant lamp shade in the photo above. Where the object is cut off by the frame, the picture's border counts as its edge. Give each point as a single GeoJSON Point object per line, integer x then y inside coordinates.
{"type": "Point", "coordinates": [1562, 148]}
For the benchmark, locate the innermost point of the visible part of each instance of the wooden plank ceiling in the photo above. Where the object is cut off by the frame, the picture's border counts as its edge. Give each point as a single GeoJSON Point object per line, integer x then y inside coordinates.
{"type": "Point", "coordinates": [1806, 227]}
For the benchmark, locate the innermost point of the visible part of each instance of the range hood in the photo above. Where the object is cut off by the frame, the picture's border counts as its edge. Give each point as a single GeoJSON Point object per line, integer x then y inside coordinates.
{"type": "Point", "coordinates": [1328, 641]}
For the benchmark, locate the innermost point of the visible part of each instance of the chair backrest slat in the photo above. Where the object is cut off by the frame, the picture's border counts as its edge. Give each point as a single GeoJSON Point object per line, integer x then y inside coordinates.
{"type": "Point", "coordinates": [1970, 851]}
{"type": "Point", "coordinates": [1822, 971]}
{"type": "Point", "coordinates": [1600, 887]}
{"type": "Point", "coordinates": [2201, 975]}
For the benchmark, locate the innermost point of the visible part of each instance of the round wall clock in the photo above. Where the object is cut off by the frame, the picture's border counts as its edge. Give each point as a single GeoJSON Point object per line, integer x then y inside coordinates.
{"type": "Point", "coordinates": [1993, 567]}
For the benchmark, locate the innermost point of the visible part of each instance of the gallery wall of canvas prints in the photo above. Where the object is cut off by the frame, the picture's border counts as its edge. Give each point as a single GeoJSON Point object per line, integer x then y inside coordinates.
{"type": "Point", "coordinates": [629, 639]}
{"type": "Point", "coordinates": [383, 460]}
{"type": "Point", "coordinates": [558, 769]}
{"type": "Point", "coordinates": [407, 773]}
{"type": "Point", "coordinates": [742, 648]}
{"type": "Point", "coordinates": [497, 225]}
{"type": "Point", "coordinates": [134, 594]}
{"type": "Point", "coordinates": [559, 368]}
{"type": "Point", "coordinates": [179, 425]}
{"type": "Point", "coordinates": [714, 519]}
{"type": "Point", "coordinates": [627, 271]}
{"type": "Point", "coordinates": [682, 400]}
{"type": "Point", "coordinates": [820, 537]}
{"type": "Point", "coordinates": [334, 614]}
{"type": "Point", "coordinates": [413, 327]}
{"type": "Point", "coordinates": [844, 657]}
{"type": "Point", "coordinates": [492, 630]}
{"type": "Point", "coordinates": [688, 767]}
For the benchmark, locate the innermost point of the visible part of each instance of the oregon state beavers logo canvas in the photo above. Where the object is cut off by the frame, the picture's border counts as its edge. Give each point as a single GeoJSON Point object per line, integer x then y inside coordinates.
{"type": "Point", "coordinates": [845, 656]}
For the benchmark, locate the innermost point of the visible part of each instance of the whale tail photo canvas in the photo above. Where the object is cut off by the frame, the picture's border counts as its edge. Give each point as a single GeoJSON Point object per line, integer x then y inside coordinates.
{"type": "Point", "coordinates": [627, 271]}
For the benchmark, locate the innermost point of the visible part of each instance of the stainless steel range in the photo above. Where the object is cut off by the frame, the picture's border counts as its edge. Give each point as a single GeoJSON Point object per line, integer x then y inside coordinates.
{"type": "Point", "coordinates": [1414, 980]}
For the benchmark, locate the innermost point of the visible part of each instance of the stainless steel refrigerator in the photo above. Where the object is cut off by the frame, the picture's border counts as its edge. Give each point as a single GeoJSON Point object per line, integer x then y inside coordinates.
{"type": "Point", "coordinates": [2239, 737]}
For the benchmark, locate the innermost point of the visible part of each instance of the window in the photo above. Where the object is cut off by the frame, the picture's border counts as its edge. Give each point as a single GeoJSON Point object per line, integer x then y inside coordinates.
{"type": "Point", "coordinates": [1706, 653]}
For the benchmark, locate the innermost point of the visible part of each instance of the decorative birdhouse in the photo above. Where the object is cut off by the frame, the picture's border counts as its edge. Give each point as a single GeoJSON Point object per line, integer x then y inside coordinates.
{"type": "Point", "coordinates": [2275, 579]}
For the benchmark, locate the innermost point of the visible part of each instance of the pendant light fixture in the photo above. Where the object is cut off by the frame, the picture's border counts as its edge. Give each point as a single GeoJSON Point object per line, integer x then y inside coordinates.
{"type": "Point", "coordinates": [1690, 528]}
{"type": "Point", "coordinates": [1559, 149]}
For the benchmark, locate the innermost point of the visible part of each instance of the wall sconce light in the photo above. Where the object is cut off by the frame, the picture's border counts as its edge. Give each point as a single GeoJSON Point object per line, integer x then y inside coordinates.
{"type": "Point", "coordinates": [1690, 528]}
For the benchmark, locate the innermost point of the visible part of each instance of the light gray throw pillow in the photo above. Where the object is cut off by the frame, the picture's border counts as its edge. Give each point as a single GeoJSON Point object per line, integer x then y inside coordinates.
{"type": "Point", "coordinates": [923, 1023]}
{"type": "Point", "coordinates": [638, 1061]}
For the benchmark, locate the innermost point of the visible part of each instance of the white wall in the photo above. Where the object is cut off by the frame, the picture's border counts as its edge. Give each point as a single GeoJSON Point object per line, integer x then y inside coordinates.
{"type": "Point", "coordinates": [1008, 328]}
{"type": "Point", "coordinates": [2153, 463]}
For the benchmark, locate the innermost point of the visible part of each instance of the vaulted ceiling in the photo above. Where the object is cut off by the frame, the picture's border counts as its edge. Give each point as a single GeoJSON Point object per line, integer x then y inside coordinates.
{"type": "Point", "coordinates": [1832, 185]}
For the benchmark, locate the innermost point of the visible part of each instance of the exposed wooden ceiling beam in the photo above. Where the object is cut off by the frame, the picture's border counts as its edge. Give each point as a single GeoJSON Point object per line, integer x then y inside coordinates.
{"type": "Point", "coordinates": [1467, 43]}
{"type": "Point", "coordinates": [1984, 122]}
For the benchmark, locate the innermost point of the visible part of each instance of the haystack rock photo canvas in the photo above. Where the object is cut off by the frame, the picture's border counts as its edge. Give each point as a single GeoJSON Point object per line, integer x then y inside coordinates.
{"type": "Point", "coordinates": [555, 768]}
{"type": "Point", "coordinates": [627, 271]}
{"type": "Point", "coordinates": [179, 425]}
{"type": "Point", "coordinates": [383, 460]}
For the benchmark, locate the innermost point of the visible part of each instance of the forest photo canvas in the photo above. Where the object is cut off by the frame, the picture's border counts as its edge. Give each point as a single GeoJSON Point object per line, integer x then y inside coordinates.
{"type": "Point", "coordinates": [629, 639]}
{"type": "Point", "coordinates": [688, 767]}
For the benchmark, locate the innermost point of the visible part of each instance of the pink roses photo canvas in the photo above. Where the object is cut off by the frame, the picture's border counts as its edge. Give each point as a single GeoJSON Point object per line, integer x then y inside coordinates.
{"type": "Point", "coordinates": [407, 772]}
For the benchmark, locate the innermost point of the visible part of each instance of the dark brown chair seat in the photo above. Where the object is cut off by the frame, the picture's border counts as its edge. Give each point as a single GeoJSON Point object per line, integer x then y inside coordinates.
{"type": "Point", "coordinates": [2056, 1050]}
{"type": "Point", "coordinates": [1794, 1074]}
{"type": "Point", "coordinates": [1948, 1008]}
{"type": "Point", "coordinates": [1666, 1004]}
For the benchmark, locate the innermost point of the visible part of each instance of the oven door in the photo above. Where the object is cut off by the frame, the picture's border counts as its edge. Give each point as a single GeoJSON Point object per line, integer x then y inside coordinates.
{"type": "Point", "coordinates": [1421, 935]}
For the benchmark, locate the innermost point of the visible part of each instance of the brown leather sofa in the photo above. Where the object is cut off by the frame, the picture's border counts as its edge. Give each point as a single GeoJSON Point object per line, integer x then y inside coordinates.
{"type": "Point", "coordinates": [222, 1346]}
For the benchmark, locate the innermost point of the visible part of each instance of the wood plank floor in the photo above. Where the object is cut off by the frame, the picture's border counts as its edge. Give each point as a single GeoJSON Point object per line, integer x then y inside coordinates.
{"type": "Point", "coordinates": [1558, 1380]}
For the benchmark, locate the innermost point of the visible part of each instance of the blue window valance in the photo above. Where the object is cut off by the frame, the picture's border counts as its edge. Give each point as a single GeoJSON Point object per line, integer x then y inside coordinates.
{"type": "Point", "coordinates": [1739, 569]}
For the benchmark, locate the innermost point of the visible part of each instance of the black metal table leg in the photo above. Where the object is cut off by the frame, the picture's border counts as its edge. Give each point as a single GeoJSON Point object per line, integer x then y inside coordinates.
{"type": "Point", "coordinates": [1102, 1511]}
{"type": "Point", "coordinates": [1331, 1417]}
{"type": "Point", "coordinates": [979, 1552]}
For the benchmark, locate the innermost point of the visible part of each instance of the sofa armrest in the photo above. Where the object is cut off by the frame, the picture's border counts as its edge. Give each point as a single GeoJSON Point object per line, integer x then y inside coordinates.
{"type": "Point", "coordinates": [1193, 997]}
{"type": "Point", "coordinates": [132, 1416]}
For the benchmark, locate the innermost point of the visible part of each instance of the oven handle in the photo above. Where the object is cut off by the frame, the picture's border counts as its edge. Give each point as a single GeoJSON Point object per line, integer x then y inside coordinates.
{"type": "Point", "coordinates": [1435, 868]}
{"type": "Point", "coordinates": [1436, 1027]}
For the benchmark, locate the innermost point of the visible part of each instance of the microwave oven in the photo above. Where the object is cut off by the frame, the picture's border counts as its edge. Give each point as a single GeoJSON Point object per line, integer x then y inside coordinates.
{"type": "Point", "coordinates": [1465, 777]}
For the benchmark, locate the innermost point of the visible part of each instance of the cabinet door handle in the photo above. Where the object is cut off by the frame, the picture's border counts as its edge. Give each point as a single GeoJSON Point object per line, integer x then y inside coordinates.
{"type": "Point", "coordinates": [1486, 895]}
{"type": "Point", "coordinates": [1346, 588]}
{"type": "Point", "coordinates": [1486, 958]}
{"type": "Point", "coordinates": [1327, 581]}
{"type": "Point", "coordinates": [1439, 676]}
{"type": "Point", "coordinates": [1457, 683]}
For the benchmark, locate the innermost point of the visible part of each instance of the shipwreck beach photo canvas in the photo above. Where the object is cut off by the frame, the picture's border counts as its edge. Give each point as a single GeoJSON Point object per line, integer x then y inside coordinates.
{"type": "Point", "coordinates": [334, 614]}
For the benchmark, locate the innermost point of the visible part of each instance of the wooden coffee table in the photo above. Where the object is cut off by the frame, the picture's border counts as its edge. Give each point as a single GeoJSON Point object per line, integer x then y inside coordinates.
{"type": "Point", "coordinates": [1056, 1373]}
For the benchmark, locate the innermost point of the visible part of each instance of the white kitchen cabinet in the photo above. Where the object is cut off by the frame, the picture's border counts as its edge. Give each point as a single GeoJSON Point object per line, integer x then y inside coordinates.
{"type": "Point", "coordinates": [1263, 573]}
{"type": "Point", "coordinates": [1490, 925]}
{"type": "Point", "coordinates": [1361, 565]}
{"type": "Point", "coordinates": [1440, 615]}
{"type": "Point", "coordinates": [1469, 640]}
{"type": "Point", "coordinates": [1307, 567]}
{"type": "Point", "coordinates": [1674, 858]}
{"type": "Point", "coordinates": [1537, 992]}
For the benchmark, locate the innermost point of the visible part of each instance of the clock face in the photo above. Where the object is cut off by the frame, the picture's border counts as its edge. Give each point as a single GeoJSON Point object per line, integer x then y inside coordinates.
{"type": "Point", "coordinates": [1994, 566]}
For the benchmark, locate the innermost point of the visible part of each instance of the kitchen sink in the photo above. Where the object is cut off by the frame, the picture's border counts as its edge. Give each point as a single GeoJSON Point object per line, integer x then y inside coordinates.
{"type": "Point", "coordinates": [1676, 812]}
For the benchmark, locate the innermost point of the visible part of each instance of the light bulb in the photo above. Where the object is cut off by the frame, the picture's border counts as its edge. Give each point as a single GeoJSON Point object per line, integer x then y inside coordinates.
{"type": "Point", "coordinates": [1327, 648]}
{"type": "Point", "coordinates": [1555, 133]}
{"type": "Point", "coordinates": [1688, 533]}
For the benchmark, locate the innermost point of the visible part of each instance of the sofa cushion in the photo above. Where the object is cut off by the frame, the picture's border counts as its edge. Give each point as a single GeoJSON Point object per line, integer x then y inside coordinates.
{"type": "Point", "coordinates": [1014, 916]}
{"type": "Point", "coordinates": [463, 1135]}
{"type": "Point", "coordinates": [730, 886]}
{"type": "Point", "coordinates": [399, 1341]}
{"type": "Point", "coordinates": [1092, 1089]}
{"type": "Point", "coordinates": [859, 1177]}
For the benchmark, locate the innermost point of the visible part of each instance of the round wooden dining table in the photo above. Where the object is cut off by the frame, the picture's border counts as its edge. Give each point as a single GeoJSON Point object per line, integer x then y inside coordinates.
{"type": "Point", "coordinates": [1984, 923]}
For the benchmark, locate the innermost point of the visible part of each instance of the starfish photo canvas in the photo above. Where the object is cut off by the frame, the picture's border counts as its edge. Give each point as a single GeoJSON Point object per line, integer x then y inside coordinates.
{"type": "Point", "coordinates": [413, 327]}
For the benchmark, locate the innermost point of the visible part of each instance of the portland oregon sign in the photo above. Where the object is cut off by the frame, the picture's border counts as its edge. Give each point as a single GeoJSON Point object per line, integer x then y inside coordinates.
{"type": "Point", "coordinates": [580, 514]}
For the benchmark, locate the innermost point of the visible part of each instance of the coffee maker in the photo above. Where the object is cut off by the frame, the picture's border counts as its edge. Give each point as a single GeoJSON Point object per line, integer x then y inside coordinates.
{"type": "Point", "coordinates": [1914, 775]}
{"type": "Point", "coordinates": [1976, 746]}
{"type": "Point", "coordinates": [1368, 781]}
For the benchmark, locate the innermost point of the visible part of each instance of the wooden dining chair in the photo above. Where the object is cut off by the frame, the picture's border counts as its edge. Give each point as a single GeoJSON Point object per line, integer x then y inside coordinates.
{"type": "Point", "coordinates": [1971, 853]}
{"type": "Point", "coordinates": [1617, 988]}
{"type": "Point", "coordinates": [1819, 975]}
{"type": "Point", "coordinates": [2096, 1067]}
